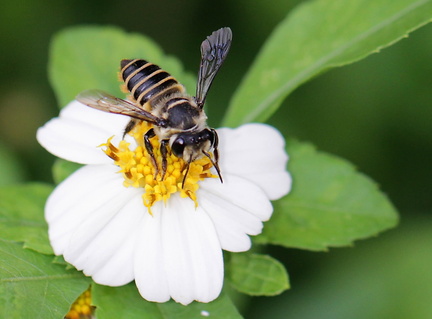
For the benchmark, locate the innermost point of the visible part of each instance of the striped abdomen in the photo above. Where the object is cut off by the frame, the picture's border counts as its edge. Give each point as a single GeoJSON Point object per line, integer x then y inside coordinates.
{"type": "Point", "coordinates": [147, 82]}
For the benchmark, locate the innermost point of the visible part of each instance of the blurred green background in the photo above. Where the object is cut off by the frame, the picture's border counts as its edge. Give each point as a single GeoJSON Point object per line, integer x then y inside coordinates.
{"type": "Point", "coordinates": [376, 113]}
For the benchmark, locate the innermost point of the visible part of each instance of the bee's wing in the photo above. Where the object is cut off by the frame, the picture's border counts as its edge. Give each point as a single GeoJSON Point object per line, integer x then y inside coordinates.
{"type": "Point", "coordinates": [214, 50]}
{"type": "Point", "coordinates": [109, 103]}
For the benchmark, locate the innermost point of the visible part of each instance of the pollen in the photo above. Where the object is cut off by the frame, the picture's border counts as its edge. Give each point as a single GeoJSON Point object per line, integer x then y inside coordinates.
{"type": "Point", "coordinates": [138, 170]}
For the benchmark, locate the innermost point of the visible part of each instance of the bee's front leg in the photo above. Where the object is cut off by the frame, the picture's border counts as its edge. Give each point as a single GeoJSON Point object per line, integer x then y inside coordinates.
{"type": "Point", "coordinates": [215, 146]}
{"type": "Point", "coordinates": [216, 153]}
{"type": "Point", "coordinates": [150, 134]}
{"type": "Point", "coordinates": [164, 153]}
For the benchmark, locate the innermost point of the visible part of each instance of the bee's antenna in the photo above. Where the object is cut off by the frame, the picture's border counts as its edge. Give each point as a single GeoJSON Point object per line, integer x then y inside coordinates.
{"type": "Point", "coordinates": [215, 164]}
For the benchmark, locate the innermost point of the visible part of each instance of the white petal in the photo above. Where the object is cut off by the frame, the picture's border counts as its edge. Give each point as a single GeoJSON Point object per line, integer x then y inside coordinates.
{"type": "Point", "coordinates": [108, 122]}
{"type": "Point", "coordinates": [256, 152]}
{"type": "Point", "coordinates": [92, 221]}
{"type": "Point", "coordinates": [76, 134]}
{"type": "Point", "coordinates": [189, 263]}
{"type": "Point", "coordinates": [150, 276]}
{"type": "Point", "coordinates": [105, 249]}
{"type": "Point", "coordinates": [237, 208]}
{"type": "Point", "coordinates": [193, 256]}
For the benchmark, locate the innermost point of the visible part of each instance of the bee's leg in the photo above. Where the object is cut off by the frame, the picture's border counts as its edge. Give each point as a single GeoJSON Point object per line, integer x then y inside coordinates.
{"type": "Point", "coordinates": [129, 127]}
{"type": "Point", "coordinates": [187, 171]}
{"type": "Point", "coordinates": [164, 153]}
{"type": "Point", "coordinates": [216, 153]}
{"type": "Point", "coordinates": [151, 133]}
{"type": "Point", "coordinates": [215, 146]}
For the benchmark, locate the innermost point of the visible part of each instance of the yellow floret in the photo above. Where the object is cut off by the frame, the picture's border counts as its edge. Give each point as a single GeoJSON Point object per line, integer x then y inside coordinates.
{"type": "Point", "coordinates": [82, 307]}
{"type": "Point", "coordinates": [138, 170]}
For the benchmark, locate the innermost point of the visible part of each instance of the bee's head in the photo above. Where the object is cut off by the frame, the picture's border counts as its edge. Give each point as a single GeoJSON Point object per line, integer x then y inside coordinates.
{"type": "Point", "coordinates": [193, 145]}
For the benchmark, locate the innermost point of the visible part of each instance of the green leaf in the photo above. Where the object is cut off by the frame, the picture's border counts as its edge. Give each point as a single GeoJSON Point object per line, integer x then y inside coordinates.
{"type": "Point", "coordinates": [89, 57]}
{"type": "Point", "coordinates": [315, 37]}
{"type": "Point", "coordinates": [388, 277]}
{"type": "Point", "coordinates": [126, 302]}
{"type": "Point", "coordinates": [31, 286]}
{"type": "Point", "coordinates": [22, 215]}
{"type": "Point", "coordinates": [62, 169]}
{"type": "Point", "coordinates": [257, 275]}
{"type": "Point", "coordinates": [330, 204]}
{"type": "Point", "coordinates": [11, 170]}
{"type": "Point", "coordinates": [60, 260]}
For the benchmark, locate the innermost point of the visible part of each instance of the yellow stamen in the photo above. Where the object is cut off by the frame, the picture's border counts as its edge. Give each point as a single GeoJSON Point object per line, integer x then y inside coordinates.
{"type": "Point", "coordinates": [138, 170]}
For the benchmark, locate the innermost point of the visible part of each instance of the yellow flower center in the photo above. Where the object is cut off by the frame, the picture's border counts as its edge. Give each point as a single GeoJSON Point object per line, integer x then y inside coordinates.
{"type": "Point", "coordinates": [81, 308]}
{"type": "Point", "coordinates": [138, 170]}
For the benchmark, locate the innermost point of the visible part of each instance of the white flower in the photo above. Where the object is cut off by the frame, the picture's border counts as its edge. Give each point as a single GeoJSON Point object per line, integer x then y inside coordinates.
{"type": "Point", "coordinates": [172, 247]}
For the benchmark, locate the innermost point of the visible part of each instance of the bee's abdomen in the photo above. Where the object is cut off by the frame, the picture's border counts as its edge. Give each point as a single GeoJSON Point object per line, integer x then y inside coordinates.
{"type": "Point", "coordinates": [147, 82]}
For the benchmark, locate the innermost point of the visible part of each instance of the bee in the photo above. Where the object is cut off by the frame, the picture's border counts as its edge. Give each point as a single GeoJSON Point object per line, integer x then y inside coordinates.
{"type": "Point", "coordinates": [179, 120]}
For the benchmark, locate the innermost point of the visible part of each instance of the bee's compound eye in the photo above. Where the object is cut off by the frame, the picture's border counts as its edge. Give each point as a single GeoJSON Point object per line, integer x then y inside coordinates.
{"type": "Point", "coordinates": [207, 135]}
{"type": "Point", "coordinates": [178, 147]}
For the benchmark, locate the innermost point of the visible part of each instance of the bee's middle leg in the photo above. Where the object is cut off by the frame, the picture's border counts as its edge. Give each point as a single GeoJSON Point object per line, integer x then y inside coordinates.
{"type": "Point", "coordinates": [150, 134]}
{"type": "Point", "coordinates": [164, 153]}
